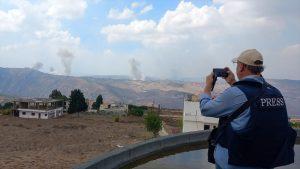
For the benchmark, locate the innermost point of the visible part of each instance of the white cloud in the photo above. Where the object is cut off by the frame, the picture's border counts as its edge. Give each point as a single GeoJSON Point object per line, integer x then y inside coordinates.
{"type": "Point", "coordinates": [210, 35]}
{"type": "Point", "coordinates": [186, 21]}
{"type": "Point", "coordinates": [44, 18]}
{"type": "Point", "coordinates": [116, 14]}
{"type": "Point", "coordinates": [137, 29]}
{"type": "Point", "coordinates": [11, 20]}
{"type": "Point", "coordinates": [285, 62]}
{"type": "Point", "coordinates": [189, 19]}
{"type": "Point", "coordinates": [206, 22]}
{"type": "Point", "coordinates": [292, 51]}
{"type": "Point", "coordinates": [58, 36]}
{"type": "Point", "coordinates": [186, 41]}
{"type": "Point", "coordinates": [40, 34]}
{"type": "Point", "coordinates": [146, 9]}
{"type": "Point", "coordinates": [96, 1]}
{"type": "Point", "coordinates": [68, 9]}
{"type": "Point", "coordinates": [108, 53]}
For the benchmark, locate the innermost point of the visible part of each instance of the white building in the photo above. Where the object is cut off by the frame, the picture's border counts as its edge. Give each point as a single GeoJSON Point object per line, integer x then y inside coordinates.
{"type": "Point", "coordinates": [40, 108]}
{"type": "Point", "coordinates": [192, 118]}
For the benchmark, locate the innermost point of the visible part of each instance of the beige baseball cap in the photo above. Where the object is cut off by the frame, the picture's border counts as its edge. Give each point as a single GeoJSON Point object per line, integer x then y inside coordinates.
{"type": "Point", "coordinates": [250, 57]}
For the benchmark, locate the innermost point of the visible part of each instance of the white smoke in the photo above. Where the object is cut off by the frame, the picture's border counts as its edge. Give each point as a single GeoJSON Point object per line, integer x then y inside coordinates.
{"type": "Point", "coordinates": [66, 60]}
{"type": "Point", "coordinates": [135, 69]}
{"type": "Point", "coordinates": [51, 69]}
{"type": "Point", "coordinates": [38, 66]}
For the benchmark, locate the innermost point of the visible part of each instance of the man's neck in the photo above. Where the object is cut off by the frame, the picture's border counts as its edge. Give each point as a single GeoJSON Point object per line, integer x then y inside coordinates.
{"type": "Point", "coordinates": [250, 75]}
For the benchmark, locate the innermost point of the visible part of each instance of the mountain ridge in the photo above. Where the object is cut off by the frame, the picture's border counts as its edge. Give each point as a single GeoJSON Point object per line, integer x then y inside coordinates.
{"type": "Point", "coordinates": [26, 82]}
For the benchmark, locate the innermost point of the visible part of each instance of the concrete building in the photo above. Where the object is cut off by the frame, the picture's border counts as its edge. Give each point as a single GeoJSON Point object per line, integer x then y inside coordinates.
{"type": "Point", "coordinates": [39, 108]}
{"type": "Point", "coordinates": [192, 118]}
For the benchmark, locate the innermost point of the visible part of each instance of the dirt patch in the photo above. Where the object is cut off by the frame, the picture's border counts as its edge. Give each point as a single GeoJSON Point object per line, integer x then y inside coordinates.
{"type": "Point", "coordinates": [64, 142]}
{"type": "Point", "coordinates": [70, 126]}
{"type": "Point", "coordinates": [172, 125]}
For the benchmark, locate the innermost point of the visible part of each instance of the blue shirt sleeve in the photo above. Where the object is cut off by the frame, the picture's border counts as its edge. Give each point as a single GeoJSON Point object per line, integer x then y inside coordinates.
{"type": "Point", "coordinates": [225, 104]}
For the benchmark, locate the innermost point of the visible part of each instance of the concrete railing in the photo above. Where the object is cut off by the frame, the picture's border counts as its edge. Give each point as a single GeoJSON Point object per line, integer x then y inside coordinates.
{"type": "Point", "coordinates": [150, 149]}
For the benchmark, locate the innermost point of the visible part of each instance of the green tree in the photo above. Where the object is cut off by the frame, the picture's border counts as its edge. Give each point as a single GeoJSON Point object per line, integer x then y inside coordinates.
{"type": "Point", "coordinates": [96, 105]}
{"type": "Point", "coordinates": [8, 105]}
{"type": "Point", "coordinates": [77, 102]}
{"type": "Point", "coordinates": [6, 109]}
{"type": "Point", "coordinates": [153, 123]}
{"type": "Point", "coordinates": [56, 94]}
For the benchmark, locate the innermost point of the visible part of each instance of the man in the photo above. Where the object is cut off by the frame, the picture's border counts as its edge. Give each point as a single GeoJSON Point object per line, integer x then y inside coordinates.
{"type": "Point", "coordinates": [260, 137]}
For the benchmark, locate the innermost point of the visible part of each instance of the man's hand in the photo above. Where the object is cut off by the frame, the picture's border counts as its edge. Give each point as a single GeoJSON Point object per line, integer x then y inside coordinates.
{"type": "Point", "coordinates": [230, 79]}
{"type": "Point", "coordinates": [209, 83]}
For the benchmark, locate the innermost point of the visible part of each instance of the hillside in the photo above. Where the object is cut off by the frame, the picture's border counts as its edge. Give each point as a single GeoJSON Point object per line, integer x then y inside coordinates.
{"type": "Point", "coordinates": [25, 82]}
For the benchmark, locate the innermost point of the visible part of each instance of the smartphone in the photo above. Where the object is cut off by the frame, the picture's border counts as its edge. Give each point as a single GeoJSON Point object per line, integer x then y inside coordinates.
{"type": "Point", "coordinates": [220, 72]}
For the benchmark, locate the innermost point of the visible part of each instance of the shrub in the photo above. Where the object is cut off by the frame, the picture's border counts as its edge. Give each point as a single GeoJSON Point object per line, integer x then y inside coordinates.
{"type": "Point", "coordinates": [136, 110]}
{"type": "Point", "coordinates": [180, 123]}
{"type": "Point", "coordinates": [116, 118]}
{"type": "Point", "coordinates": [295, 124]}
{"type": "Point", "coordinates": [153, 123]}
{"type": "Point", "coordinates": [5, 111]}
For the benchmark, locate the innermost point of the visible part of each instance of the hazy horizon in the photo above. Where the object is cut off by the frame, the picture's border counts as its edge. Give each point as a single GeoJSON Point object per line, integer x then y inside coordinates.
{"type": "Point", "coordinates": [130, 77]}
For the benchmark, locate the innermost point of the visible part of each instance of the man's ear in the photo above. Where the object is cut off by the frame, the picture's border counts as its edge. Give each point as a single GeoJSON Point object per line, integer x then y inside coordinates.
{"type": "Point", "coordinates": [243, 67]}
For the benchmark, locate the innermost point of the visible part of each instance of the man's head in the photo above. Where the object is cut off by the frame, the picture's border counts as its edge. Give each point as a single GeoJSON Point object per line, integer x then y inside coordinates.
{"type": "Point", "coordinates": [250, 62]}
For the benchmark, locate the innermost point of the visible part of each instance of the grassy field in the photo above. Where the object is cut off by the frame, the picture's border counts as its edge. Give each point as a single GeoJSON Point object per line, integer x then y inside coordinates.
{"type": "Point", "coordinates": [64, 142]}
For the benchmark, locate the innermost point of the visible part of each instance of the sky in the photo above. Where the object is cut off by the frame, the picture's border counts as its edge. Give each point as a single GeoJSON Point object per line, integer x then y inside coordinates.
{"type": "Point", "coordinates": [168, 39]}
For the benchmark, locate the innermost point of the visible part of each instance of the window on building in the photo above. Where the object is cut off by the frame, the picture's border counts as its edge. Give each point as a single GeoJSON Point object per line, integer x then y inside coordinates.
{"type": "Point", "coordinates": [23, 113]}
{"type": "Point", "coordinates": [206, 127]}
{"type": "Point", "coordinates": [46, 114]}
{"type": "Point", "coordinates": [33, 114]}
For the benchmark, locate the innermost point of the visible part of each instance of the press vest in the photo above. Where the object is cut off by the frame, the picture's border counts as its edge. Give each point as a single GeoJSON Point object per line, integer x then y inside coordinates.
{"type": "Point", "coordinates": [267, 140]}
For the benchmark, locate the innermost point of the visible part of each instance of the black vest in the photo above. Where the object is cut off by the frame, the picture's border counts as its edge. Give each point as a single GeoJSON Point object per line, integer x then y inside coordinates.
{"type": "Point", "coordinates": [267, 140]}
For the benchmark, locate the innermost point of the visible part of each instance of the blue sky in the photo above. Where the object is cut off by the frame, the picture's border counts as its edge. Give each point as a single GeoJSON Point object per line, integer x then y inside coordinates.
{"type": "Point", "coordinates": [164, 39]}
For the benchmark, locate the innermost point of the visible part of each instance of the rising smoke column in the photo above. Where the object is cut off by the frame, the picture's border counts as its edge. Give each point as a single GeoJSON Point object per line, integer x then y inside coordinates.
{"type": "Point", "coordinates": [135, 69]}
{"type": "Point", "coordinates": [66, 60]}
{"type": "Point", "coordinates": [51, 69]}
{"type": "Point", "coordinates": [38, 66]}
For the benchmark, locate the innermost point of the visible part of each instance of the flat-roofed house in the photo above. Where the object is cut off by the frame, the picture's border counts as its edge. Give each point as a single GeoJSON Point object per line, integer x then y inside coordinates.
{"type": "Point", "coordinates": [38, 108]}
{"type": "Point", "coordinates": [105, 106]}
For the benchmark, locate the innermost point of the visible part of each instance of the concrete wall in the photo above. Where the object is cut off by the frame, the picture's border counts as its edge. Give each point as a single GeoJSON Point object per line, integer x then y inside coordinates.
{"type": "Point", "coordinates": [124, 156]}
{"type": "Point", "coordinates": [121, 157]}
{"type": "Point", "coordinates": [192, 118]}
{"type": "Point", "coordinates": [196, 126]}
{"type": "Point", "coordinates": [40, 114]}
{"type": "Point", "coordinates": [28, 113]}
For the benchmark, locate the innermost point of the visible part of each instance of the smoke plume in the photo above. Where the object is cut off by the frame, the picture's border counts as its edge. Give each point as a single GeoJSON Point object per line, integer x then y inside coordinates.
{"type": "Point", "coordinates": [135, 69]}
{"type": "Point", "coordinates": [38, 66]}
{"type": "Point", "coordinates": [66, 60]}
{"type": "Point", "coordinates": [51, 69]}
